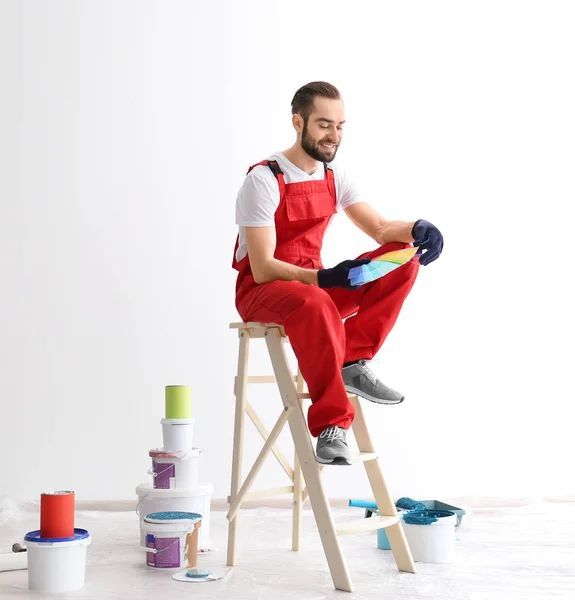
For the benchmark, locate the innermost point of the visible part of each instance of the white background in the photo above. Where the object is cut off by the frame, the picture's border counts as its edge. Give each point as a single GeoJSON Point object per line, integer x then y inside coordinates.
{"type": "Point", "coordinates": [126, 130]}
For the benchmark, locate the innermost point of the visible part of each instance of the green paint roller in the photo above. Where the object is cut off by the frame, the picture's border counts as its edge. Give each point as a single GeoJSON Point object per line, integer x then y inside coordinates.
{"type": "Point", "coordinates": [178, 402]}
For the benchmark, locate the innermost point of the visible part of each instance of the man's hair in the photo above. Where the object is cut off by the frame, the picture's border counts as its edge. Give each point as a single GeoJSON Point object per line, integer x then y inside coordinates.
{"type": "Point", "coordinates": [302, 102]}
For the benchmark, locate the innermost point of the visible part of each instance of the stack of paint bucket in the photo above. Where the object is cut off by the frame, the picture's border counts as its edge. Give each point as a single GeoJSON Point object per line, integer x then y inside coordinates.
{"type": "Point", "coordinates": [57, 551]}
{"type": "Point", "coordinates": [174, 509]}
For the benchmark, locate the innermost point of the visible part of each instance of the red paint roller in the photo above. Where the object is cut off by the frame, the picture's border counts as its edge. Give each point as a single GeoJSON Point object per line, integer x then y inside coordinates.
{"type": "Point", "coordinates": [57, 514]}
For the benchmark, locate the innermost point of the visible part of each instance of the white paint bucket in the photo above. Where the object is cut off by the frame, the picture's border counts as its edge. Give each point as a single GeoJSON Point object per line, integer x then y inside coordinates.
{"type": "Point", "coordinates": [432, 543]}
{"type": "Point", "coordinates": [172, 469]}
{"type": "Point", "coordinates": [178, 434]}
{"type": "Point", "coordinates": [57, 564]}
{"type": "Point", "coordinates": [171, 539]}
{"type": "Point", "coordinates": [196, 499]}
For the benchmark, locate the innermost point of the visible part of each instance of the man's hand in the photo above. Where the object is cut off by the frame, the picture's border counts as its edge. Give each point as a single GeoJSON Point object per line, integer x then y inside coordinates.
{"type": "Point", "coordinates": [338, 276]}
{"type": "Point", "coordinates": [427, 237]}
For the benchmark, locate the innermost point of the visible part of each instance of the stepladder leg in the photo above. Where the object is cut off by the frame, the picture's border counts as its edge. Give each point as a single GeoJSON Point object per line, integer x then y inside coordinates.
{"type": "Point", "coordinates": [395, 534]}
{"type": "Point", "coordinates": [298, 426]}
{"type": "Point", "coordinates": [297, 483]}
{"type": "Point", "coordinates": [240, 394]}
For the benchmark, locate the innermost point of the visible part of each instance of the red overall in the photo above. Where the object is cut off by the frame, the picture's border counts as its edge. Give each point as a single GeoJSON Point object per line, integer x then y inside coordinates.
{"type": "Point", "coordinates": [312, 317]}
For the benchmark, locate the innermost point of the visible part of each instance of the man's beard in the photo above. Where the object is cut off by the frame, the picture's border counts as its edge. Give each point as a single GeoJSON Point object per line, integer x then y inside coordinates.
{"type": "Point", "coordinates": [314, 149]}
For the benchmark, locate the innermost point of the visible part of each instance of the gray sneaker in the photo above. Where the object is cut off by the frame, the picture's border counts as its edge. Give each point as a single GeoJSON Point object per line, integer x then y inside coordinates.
{"type": "Point", "coordinates": [332, 448]}
{"type": "Point", "coordinates": [361, 380]}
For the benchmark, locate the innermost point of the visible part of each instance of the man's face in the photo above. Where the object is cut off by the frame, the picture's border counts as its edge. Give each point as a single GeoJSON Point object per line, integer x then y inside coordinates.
{"type": "Point", "coordinates": [323, 130]}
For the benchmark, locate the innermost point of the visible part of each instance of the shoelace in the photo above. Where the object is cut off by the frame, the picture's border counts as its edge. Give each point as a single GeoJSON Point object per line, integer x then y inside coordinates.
{"type": "Point", "coordinates": [368, 372]}
{"type": "Point", "coordinates": [332, 433]}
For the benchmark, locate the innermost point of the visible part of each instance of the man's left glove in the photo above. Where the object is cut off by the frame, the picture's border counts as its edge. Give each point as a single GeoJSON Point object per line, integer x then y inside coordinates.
{"type": "Point", "coordinates": [427, 237]}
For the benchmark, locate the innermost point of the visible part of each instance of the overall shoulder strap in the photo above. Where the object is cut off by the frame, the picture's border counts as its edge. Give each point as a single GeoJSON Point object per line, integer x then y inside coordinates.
{"type": "Point", "coordinates": [275, 169]}
{"type": "Point", "coordinates": [329, 177]}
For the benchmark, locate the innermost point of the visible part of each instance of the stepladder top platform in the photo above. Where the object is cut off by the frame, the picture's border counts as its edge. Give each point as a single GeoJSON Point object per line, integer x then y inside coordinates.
{"type": "Point", "coordinates": [256, 327]}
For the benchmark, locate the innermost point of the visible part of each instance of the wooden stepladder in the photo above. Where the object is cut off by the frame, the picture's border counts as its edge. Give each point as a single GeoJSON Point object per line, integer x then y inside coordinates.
{"type": "Point", "coordinates": [291, 391]}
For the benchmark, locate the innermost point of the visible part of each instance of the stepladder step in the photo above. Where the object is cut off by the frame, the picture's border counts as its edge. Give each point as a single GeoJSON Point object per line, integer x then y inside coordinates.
{"type": "Point", "coordinates": [356, 457]}
{"type": "Point", "coordinates": [363, 525]}
{"type": "Point", "coordinates": [363, 457]}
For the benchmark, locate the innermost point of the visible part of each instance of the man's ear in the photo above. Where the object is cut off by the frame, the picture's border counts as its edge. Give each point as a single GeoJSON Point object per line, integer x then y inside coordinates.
{"type": "Point", "coordinates": [297, 122]}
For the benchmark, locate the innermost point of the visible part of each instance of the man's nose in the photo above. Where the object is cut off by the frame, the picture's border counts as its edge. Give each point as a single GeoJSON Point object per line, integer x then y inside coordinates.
{"type": "Point", "coordinates": [334, 136]}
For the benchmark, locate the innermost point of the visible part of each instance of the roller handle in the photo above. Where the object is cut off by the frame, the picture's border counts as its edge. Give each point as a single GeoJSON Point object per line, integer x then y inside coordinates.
{"type": "Point", "coordinates": [363, 504]}
{"type": "Point", "coordinates": [14, 561]}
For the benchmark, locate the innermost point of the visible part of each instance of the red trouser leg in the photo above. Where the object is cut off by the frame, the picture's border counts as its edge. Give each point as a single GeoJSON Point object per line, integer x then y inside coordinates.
{"type": "Point", "coordinates": [317, 336]}
{"type": "Point", "coordinates": [377, 305]}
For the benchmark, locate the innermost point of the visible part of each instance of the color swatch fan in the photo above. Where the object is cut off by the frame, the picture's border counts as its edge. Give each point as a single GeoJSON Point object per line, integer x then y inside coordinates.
{"type": "Point", "coordinates": [380, 266]}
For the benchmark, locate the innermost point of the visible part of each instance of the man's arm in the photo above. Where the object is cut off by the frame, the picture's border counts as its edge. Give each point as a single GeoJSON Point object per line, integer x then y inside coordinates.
{"type": "Point", "coordinates": [261, 243]}
{"type": "Point", "coordinates": [373, 224]}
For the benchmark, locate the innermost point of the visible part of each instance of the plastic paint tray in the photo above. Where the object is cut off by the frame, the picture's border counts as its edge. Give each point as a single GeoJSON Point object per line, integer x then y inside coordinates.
{"type": "Point", "coordinates": [438, 505]}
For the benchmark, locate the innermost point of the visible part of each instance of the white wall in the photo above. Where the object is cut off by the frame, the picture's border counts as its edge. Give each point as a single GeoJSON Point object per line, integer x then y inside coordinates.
{"type": "Point", "coordinates": [127, 128]}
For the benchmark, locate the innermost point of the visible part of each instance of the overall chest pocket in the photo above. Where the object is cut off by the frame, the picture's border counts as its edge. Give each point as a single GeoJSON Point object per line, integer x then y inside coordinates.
{"type": "Point", "coordinates": [304, 207]}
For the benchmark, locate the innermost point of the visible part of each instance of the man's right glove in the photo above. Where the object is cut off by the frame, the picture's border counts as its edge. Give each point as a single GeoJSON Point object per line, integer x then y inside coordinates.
{"type": "Point", "coordinates": [338, 276]}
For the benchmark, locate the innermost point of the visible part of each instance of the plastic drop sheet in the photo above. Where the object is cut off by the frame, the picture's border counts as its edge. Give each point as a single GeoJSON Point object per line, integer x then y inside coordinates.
{"type": "Point", "coordinates": [520, 552]}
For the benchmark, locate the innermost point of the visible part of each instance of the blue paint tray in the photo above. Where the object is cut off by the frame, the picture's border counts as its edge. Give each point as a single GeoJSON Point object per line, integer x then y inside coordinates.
{"type": "Point", "coordinates": [383, 542]}
{"type": "Point", "coordinates": [438, 505]}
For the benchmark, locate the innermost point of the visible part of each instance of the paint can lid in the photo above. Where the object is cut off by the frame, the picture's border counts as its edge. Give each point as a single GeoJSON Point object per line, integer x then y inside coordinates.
{"type": "Point", "coordinates": [34, 536]}
{"type": "Point", "coordinates": [198, 573]}
{"type": "Point", "coordinates": [173, 517]}
{"type": "Point", "coordinates": [182, 454]}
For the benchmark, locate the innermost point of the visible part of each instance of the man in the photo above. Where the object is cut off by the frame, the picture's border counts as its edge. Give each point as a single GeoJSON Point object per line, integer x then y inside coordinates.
{"type": "Point", "coordinates": [283, 209]}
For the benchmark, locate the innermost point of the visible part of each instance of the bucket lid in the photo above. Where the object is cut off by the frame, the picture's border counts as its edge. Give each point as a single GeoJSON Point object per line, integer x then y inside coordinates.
{"type": "Point", "coordinates": [147, 489]}
{"type": "Point", "coordinates": [172, 517]}
{"type": "Point", "coordinates": [176, 421]}
{"type": "Point", "coordinates": [161, 453]}
{"type": "Point", "coordinates": [34, 536]}
{"type": "Point", "coordinates": [426, 517]}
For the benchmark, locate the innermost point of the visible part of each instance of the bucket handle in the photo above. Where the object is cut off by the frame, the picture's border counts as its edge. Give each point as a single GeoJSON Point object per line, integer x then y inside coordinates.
{"type": "Point", "coordinates": [154, 474]}
{"type": "Point", "coordinates": [156, 551]}
{"type": "Point", "coordinates": [140, 502]}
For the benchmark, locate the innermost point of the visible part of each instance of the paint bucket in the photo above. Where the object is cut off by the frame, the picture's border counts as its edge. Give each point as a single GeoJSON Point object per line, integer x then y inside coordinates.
{"type": "Point", "coordinates": [57, 514]}
{"type": "Point", "coordinates": [178, 402]}
{"type": "Point", "coordinates": [432, 542]}
{"type": "Point", "coordinates": [178, 434]}
{"type": "Point", "coordinates": [196, 499]}
{"type": "Point", "coordinates": [57, 564]}
{"type": "Point", "coordinates": [172, 539]}
{"type": "Point", "coordinates": [175, 469]}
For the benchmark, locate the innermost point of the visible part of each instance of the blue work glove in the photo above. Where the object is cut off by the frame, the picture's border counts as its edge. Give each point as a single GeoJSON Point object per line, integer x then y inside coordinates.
{"type": "Point", "coordinates": [338, 276]}
{"type": "Point", "coordinates": [427, 237]}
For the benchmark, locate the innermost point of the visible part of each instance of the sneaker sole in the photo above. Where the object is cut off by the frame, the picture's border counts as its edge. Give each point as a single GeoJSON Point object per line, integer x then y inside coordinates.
{"type": "Point", "coordinates": [373, 399]}
{"type": "Point", "coordinates": [338, 461]}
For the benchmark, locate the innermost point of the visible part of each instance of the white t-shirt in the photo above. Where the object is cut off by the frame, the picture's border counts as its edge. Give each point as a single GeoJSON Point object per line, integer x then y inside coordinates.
{"type": "Point", "coordinates": [259, 195]}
